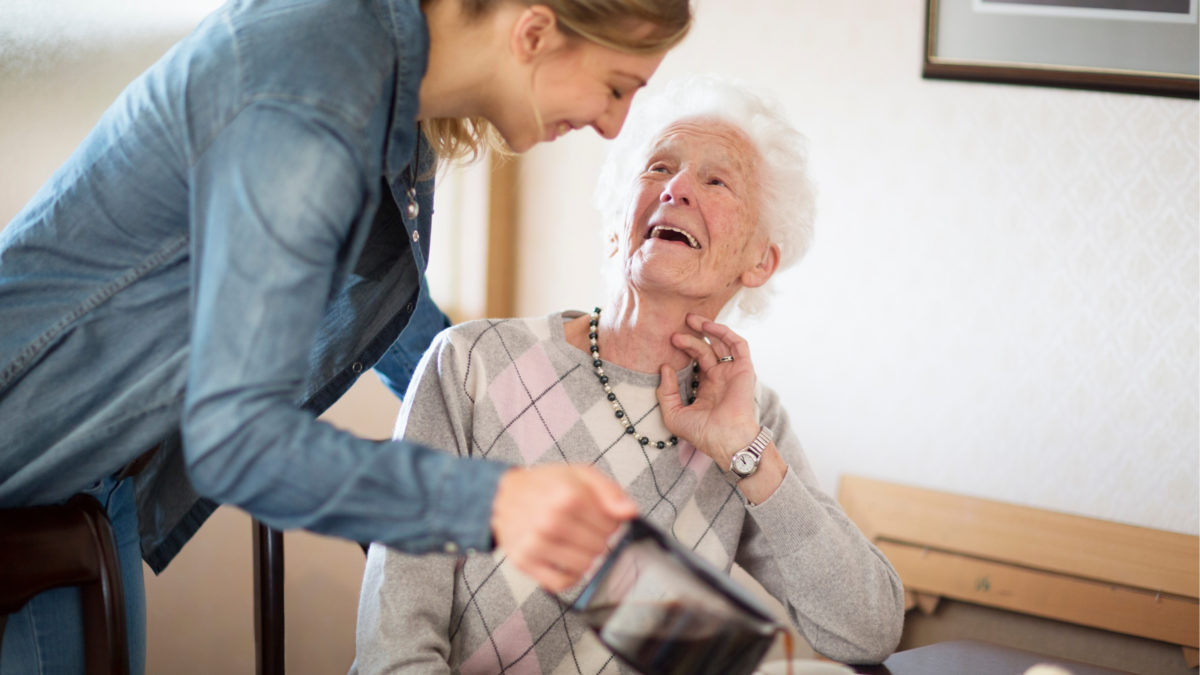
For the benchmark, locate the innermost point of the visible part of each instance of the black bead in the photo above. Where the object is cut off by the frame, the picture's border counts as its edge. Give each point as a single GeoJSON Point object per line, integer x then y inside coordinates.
{"type": "Point", "coordinates": [691, 399]}
{"type": "Point", "coordinates": [629, 430]}
{"type": "Point", "coordinates": [644, 441]}
{"type": "Point", "coordinates": [696, 368]}
{"type": "Point", "coordinates": [603, 379]}
{"type": "Point", "coordinates": [592, 323]}
{"type": "Point", "coordinates": [620, 414]}
{"type": "Point", "coordinates": [660, 445]}
{"type": "Point", "coordinates": [592, 336]}
{"type": "Point", "coordinates": [695, 384]}
{"type": "Point", "coordinates": [597, 363]}
{"type": "Point", "coordinates": [612, 396]}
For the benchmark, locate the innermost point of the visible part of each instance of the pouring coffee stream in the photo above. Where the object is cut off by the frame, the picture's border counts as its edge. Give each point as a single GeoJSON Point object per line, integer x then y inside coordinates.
{"type": "Point", "coordinates": [663, 610]}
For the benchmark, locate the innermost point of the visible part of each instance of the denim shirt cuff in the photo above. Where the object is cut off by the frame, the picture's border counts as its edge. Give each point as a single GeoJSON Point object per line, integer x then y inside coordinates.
{"type": "Point", "coordinates": [461, 516]}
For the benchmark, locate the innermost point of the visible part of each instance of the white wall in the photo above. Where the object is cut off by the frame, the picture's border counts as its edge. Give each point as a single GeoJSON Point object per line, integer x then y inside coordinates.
{"type": "Point", "coordinates": [1002, 300]}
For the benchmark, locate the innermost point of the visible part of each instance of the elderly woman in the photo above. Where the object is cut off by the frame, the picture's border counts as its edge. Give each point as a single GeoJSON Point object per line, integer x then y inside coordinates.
{"type": "Point", "coordinates": [707, 197]}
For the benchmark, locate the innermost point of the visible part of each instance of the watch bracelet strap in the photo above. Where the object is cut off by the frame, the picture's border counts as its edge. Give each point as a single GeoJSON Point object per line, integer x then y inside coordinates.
{"type": "Point", "coordinates": [760, 442]}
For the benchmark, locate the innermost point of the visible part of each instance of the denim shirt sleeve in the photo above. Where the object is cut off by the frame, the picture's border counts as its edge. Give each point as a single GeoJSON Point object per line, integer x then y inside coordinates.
{"type": "Point", "coordinates": [275, 196]}
{"type": "Point", "coordinates": [396, 367]}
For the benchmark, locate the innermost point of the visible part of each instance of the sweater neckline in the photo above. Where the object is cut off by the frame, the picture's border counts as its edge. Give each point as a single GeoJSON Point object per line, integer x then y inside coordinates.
{"type": "Point", "coordinates": [558, 335]}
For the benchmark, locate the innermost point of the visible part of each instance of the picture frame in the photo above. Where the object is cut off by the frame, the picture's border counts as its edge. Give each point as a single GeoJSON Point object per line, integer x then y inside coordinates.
{"type": "Point", "coordinates": [1130, 46]}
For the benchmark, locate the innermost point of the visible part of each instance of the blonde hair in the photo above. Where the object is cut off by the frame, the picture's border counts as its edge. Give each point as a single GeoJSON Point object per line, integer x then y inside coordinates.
{"type": "Point", "coordinates": [603, 22]}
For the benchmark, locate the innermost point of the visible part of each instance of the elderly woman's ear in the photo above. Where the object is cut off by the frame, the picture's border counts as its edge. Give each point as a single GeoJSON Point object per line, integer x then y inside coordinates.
{"type": "Point", "coordinates": [613, 245]}
{"type": "Point", "coordinates": [765, 267]}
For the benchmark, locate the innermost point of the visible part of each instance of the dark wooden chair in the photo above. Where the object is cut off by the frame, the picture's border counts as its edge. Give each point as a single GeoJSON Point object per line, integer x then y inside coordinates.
{"type": "Point", "coordinates": [71, 544]}
{"type": "Point", "coordinates": [268, 599]}
{"type": "Point", "coordinates": [45, 547]}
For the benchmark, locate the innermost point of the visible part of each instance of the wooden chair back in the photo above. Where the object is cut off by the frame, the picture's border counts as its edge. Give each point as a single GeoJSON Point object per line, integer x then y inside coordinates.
{"type": "Point", "coordinates": [71, 544]}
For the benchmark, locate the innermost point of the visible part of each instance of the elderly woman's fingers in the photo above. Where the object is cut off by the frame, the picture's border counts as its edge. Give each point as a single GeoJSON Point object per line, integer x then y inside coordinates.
{"type": "Point", "coordinates": [703, 352]}
{"type": "Point", "coordinates": [730, 342]}
{"type": "Point", "coordinates": [670, 399]}
{"type": "Point", "coordinates": [668, 389]}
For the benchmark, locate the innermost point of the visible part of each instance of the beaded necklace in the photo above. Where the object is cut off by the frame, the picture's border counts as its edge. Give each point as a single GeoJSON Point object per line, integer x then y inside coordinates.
{"type": "Point", "coordinates": [618, 409]}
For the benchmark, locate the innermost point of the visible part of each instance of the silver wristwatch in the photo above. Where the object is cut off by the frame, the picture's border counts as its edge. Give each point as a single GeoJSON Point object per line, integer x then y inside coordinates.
{"type": "Point", "coordinates": [745, 461]}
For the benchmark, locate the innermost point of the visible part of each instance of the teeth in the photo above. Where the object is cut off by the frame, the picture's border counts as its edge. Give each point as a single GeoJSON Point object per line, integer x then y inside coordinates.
{"type": "Point", "coordinates": [665, 228]}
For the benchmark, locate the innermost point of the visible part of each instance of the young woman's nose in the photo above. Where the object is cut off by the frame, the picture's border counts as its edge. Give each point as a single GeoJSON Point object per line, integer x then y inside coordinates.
{"type": "Point", "coordinates": [609, 123]}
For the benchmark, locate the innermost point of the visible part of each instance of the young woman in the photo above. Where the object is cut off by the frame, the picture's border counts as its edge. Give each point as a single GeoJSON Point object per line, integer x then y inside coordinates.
{"type": "Point", "coordinates": [244, 231]}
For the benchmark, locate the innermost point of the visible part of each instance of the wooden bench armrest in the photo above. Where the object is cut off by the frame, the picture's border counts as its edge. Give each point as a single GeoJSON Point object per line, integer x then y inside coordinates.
{"type": "Point", "coordinates": [1133, 580]}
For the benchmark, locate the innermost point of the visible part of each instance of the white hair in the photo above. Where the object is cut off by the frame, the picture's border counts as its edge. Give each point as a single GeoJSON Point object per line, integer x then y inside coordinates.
{"type": "Point", "coordinates": [787, 208]}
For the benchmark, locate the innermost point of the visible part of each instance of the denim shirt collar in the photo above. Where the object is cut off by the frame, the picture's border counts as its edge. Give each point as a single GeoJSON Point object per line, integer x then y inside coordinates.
{"type": "Point", "coordinates": [411, 33]}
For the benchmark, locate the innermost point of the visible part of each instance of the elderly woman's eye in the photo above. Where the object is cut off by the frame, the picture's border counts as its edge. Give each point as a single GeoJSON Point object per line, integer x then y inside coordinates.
{"type": "Point", "coordinates": [716, 181]}
{"type": "Point", "coordinates": [657, 168]}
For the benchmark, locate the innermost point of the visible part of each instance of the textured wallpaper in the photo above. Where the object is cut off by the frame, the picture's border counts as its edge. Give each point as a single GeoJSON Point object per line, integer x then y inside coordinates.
{"type": "Point", "coordinates": [1004, 293]}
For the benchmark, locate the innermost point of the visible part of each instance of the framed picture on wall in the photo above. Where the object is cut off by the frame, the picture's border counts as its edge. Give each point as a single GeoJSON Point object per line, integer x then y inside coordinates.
{"type": "Point", "coordinates": [1133, 46]}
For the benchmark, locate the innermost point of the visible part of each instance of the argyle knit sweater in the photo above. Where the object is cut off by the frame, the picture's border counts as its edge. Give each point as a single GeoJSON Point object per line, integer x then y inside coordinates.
{"type": "Point", "coordinates": [516, 391]}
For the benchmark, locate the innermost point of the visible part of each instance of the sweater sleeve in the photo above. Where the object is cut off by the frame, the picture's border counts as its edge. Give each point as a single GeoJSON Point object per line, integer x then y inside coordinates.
{"type": "Point", "coordinates": [404, 613]}
{"type": "Point", "coordinates": [405, 606]}
{"type": "Point", "coordinates": [839, 590]}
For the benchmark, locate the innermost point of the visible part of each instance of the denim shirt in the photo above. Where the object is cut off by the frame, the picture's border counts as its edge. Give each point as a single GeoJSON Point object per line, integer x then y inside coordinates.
{"type": "Point", "coordinates": [218, 261]}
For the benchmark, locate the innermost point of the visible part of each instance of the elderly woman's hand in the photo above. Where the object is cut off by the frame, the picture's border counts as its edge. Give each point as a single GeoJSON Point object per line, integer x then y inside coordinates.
{"type": "Point", "coordinates": [723, 419]}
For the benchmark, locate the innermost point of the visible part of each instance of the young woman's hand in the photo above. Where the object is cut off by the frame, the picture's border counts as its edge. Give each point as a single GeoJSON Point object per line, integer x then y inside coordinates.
{"type": "Point", "coordinates": [553, 520]}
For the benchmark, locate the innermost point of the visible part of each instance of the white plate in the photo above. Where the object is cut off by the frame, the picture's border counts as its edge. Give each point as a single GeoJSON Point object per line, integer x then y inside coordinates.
{"type": "Point", "coordinates": [803, 667]}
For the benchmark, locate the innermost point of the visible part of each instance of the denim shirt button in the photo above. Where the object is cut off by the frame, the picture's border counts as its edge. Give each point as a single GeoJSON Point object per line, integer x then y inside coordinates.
{"type": "Point", "coordinates": [450, 547]}
{"type": "Point", "coordinates": [408, 308]}
{"type": "Point", "coordinates": [416, 236]}
{"type": "Point", "coordinates": [356, 367]}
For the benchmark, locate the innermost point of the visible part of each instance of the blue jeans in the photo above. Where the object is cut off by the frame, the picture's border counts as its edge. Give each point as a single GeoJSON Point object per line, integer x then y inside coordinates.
{"type": "Point", "coordinates": [46, 635]}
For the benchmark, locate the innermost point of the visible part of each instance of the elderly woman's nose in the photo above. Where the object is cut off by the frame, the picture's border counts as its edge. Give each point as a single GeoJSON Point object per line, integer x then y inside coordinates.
{"type": "Point", "coordinates": [678, 189]}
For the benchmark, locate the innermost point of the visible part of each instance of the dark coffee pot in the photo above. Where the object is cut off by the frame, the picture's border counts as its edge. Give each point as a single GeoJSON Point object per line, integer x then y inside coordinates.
{"type": "Point", "coordinates": [664, 610]}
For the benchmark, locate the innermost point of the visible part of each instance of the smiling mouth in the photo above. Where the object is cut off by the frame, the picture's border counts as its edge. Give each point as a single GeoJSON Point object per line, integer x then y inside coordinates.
{"type": "Point", "coordinates": [668, 233]}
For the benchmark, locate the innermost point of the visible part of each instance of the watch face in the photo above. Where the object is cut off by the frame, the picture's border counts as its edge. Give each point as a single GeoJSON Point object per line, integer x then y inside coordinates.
{"type": "Point", "coordinates": [743, 463]}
